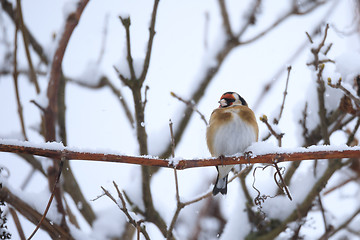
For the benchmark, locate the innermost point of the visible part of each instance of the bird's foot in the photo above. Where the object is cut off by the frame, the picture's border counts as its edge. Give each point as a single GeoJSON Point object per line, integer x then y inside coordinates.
{"type": "Point", "coordinates": [221, 157]}
{"type": "Point", "coordinates": [248, 155]}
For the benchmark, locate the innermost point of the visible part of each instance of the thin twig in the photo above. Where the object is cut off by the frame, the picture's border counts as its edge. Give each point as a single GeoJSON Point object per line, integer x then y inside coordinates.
{"type": "Point", "coordinates": [126, 22]}
{"type": "Point", "coordinates": [150, 43]}
{"type": "Point", "coordinates": [124, 209]}
{"type": "Point", "coordinates": [104, 38]}
{"type": "Point", "coordinates": [226, 21]}
{"type": "Point", "coordinates": [343, 225]}
{"type": "Point", "coordinates": [295, 55]}
{"type": "Point", "coordinates": [54, 86]}
{"type": "Point", "coordinates": [326, 226]}
{"type": "Point", "coordinates": [179, 204]}
{"type": "Point", "coordinates": [282, 180]}
{"type": "Point", "coordinates": [104, 81]}
{"type": "Point", "coordinates": [17, 223]}
{"type": "Point", "coordinates": [7, 7]}
{"type": "Point", "coordinates": [251, 19]}
{"type": "Point", "coordinates": [190, 104]}
{"type": "Point", "coordinates": [340, 185]}
{"type": "Point", "coordinates": [33, 77]}
{"type": "Point", "coordinates": [278, 136]}
{"type": "Point", "coordinates": [277, 120]}
{"type": "Point", "coordinates": [347, 92]}
{"type": "Point", "coordinates": [61, 164]}
{"type": "Point", "coordinates": [280, 20]}
{"type": "Point", "coordinates": [15, 77]}
{"type": "Point", "coordinates": [352, 134]}
{"type": "Point", "coordinates": [322, 110]}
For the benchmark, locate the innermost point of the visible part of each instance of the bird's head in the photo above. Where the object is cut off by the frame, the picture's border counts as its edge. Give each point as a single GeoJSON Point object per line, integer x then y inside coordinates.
{"type": "Point", "coordinates": [230, 99]}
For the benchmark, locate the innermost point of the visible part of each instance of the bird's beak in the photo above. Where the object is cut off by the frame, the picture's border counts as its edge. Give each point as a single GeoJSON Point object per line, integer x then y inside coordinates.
{"type": "Point", "coordinates": [223, 103]}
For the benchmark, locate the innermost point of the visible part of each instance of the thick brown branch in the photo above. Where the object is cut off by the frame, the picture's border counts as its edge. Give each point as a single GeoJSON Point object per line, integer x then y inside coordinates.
{"type": "Point", "coordinates": [55, 73]}
{"type": "Point", "coordinates": [296, 155]}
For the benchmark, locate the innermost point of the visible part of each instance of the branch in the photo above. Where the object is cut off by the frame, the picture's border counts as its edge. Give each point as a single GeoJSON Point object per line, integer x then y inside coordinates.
{"type": "Point", "coordinates": [55, 72]}
{"type": "Point", "coordinates": [53, 229]}
{"type": "Point", "coordinates": [226, 21]}
{"type": "Point", "coordinates": [33, 77]}
{"type": "Point", "coordinates": [16, 86]}
{"type": "Point", "coordinates": [190, 104]}
{"type": "Point", "coordinates": [346, 92]}
{"type": "Point", "coordinates": [105, 82]}
{"type": "Point", "coordinates": [150, 43]}
{"type": "Point", "coordinates": [51, 111]}
{"type": "Point", "coordinates": [123, 208]}
{"type": "Point", "coordinates": [276, 121]}
{"type": "Point", "coordinates": [57, 151]}
{"type": "Point", "coordinates": [49, 202]}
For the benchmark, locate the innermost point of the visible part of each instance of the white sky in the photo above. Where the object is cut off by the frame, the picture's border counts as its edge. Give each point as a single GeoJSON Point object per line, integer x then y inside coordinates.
{"type": "Point", "coordinates": [95, 119]}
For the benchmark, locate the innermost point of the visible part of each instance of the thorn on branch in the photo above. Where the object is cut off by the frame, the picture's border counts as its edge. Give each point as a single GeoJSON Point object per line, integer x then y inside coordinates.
{"type": "Point", "coordinates": [145, 96]}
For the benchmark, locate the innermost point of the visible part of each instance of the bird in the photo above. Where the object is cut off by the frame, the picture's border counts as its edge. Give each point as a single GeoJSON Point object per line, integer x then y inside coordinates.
{"type": "Point", "coordinates": [232, 128]}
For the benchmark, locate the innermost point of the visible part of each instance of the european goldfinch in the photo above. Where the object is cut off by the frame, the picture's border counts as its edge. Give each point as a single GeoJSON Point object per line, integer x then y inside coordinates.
{"type": "Point", "coordinates": [232, 128]}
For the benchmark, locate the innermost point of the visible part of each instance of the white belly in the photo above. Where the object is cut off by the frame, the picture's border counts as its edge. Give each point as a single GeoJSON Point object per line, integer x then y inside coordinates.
{"type": "Point", "coordinates": [233, 137]}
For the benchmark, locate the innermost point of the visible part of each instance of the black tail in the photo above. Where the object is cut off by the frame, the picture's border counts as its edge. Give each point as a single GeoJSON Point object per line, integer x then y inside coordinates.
{"type": "Point", "coordinates": [220, 185]}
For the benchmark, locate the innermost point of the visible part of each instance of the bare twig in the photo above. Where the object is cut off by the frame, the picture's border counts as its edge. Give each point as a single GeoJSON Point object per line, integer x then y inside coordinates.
{"type": "Point", "coordinates": [33, 77]}
{"type": "Point", "coordinates": [277, 120]}
{"type": "Point", "coordinates": [17, 223]}
{"type": "Point", "coordinates": [340, 185]}
{"type": "Point", "coordinates": [104, 38]}
{"type": "Point", "coordinates": [51, 111]}
{"type": "Point", "coordinates": [292, 12]}
{"type": "Point", "coordinates": [50, 200]}
{"type": "Point", "coordinates": [7, 6]}
{"type": "Point", "coordinates": [15, 77]}
{"type": "Point", "coordinates": [123, 208]}
{"type": "Point", "coordinates": [251, 18]}
{"type": "Point", "coordinates": [226, 21]}
{"type": "Point", "coordinates": [150, 43]}
{"type": "Point", "coordinates": [104, 81]}
{"type": "Point", "coordinates": [341, 226]}
{"type": "Point", "coordinates": [282, 180]}
{"type": "Point", "coordinates": [179, 204]}
{"type": "Point", "coordinates": [347, 92]}
{"type": "Point", "coordinates": [55, 73]}
{"type": "Point", "coordinates": [278, 136]}
{"type": "Point", "coordinates": [326, 226]}
{"type": "Point", "coordinates": [304, 207]}
{"type": "Point", "coordinates": [54, 230]}
{"type": "Point", "coordinates": [322, 110]}
{"type": "Point", "coordinates": [190, 104]}
{"type": "Point", "coordinates": [294, 56]}
{"type": "Point", "coordinates": [126, 23]}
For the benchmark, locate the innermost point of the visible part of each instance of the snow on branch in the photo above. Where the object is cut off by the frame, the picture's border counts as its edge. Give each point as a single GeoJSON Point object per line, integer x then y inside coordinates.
{"type": "Point", "coordinates": [257, 153]}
